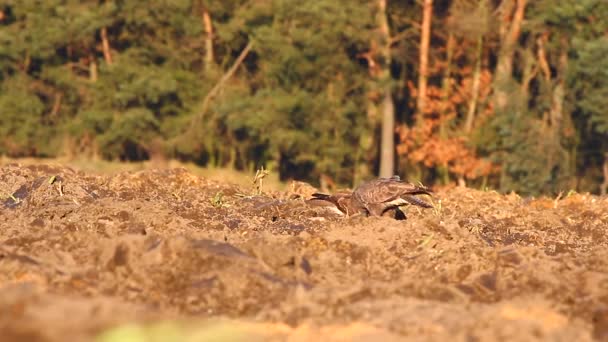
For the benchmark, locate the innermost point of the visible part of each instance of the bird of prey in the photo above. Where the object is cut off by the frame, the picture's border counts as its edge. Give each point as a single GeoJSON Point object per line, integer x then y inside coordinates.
{"type": "Point", "coordinates": [340, 202]}
{"type": "Point", "coordinates": [377, 197]}
{"type": "Point", "coordinates": [300, 190]}
{"type": "Point", "coordinates": [382, 194]}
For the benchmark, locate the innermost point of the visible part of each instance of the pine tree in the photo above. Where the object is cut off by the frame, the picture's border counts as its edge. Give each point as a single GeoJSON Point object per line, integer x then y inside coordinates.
{"type": "Point", "coordinates": [300, 86]}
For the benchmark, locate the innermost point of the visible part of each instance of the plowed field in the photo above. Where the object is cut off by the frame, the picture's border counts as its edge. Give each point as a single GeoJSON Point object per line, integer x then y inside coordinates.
{"type": "Point", "coordinates": [133, 256]}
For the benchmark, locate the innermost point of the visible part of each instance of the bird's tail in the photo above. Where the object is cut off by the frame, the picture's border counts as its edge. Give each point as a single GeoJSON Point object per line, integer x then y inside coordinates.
{"type": "Point", "coordinates": [421, 190]}
{"type": "Point", "coordinates": [417, 201]}
{"type": "Point", "coordinates": [320, 196]}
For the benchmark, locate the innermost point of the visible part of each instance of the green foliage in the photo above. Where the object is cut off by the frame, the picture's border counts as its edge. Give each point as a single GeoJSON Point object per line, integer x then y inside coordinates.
{"type": "Point", "coordinates": [534, 157]}
{"type": "Point", "coordinates": [20, 121]}
{"type": "Point", "coordinates": [297, 105]}
{"type": "Point", "coordinates": [131, 132]}
{"type": "Point", "coordinates": [299, 101]}
{"type": "Point", "coordinates": [589, 78]}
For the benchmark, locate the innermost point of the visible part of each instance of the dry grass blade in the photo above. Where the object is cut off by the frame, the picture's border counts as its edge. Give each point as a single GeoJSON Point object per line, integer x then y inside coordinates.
{"type": "Point", "coordinates": [258, 179]}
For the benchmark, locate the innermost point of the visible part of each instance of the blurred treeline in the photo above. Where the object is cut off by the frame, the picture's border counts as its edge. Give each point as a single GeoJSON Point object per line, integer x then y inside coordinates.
{"type": "Point", "coordinates": [508, 94]}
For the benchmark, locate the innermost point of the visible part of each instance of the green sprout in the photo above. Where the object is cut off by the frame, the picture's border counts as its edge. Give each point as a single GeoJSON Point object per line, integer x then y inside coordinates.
{"type": "Point", "coordinates": [426, 240]}
{"type": "Point", "coordinates": [437, 208]}
{"type": "Point", "coordinates": [258, 179]}
{"type": "Point", "coordinates": [11, 196]}
{"type": "Point", "coordinates": [218, 200]}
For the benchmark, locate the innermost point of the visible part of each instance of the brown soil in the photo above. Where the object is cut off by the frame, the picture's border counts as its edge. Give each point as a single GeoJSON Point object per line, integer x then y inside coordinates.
{"type": "Point", "coordinates": [80, 253]}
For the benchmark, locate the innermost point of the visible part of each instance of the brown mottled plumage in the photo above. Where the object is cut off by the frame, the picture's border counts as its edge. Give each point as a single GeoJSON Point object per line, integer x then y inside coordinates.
{"type": "Point", "coordinates": [342, 200]}
{"type": "Point", "coordinates": [382, 194]}
{"type": "Point", "coordinates": [377, 197]}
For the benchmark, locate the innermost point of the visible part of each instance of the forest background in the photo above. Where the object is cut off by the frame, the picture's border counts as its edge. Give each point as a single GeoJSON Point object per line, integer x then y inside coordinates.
{"type": "Point", "coordinates": [503, 94]}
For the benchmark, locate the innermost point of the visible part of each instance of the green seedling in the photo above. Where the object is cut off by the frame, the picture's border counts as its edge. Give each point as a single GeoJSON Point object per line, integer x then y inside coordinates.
{"type": "Point", "coordinates": [427, 240]}
{"type": "Point", "coordinates": [437, 208]}
{"type": "Point", "coordinates": [242, 195]}
{"type": "Point", "coordinates": [15, 199]}
{"type": "Point", "coordinates": [258, 179]}
{"type": "Point", "coordinates": [59, 187]}
{"type": "Point", "coordinates": [218, 200]}
{"type": "Point", "coordinates": [475, 229]}
{"type": "Point", "coordinates": [11, 196]}
{"type": "Point", "coordinates": [556, 200]}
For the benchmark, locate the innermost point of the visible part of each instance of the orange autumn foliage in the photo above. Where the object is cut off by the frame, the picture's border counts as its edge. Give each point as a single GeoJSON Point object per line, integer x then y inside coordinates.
{"type": "Point", "coordinates": [426, 147]}
{"type": "Point", "coordinates": [424, 143]}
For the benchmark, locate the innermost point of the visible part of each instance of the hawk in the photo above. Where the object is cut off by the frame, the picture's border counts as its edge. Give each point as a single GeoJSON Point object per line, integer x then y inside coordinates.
{"type": "Point", "coordinates": [382, 194]}
{"type": "Point", "coordinates": [375, 197]}
{"type": "Point", "coordinates": [342, 201]}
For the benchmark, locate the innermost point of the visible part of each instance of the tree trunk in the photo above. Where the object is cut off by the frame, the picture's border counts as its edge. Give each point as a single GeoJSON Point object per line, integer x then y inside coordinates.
{"type": "Point", "coordinates": [387, 155]}
{"type": "Point", "coordinates": [511, 16]}
{"type": "Point", "coordinates": [542, 58]}
{"type": "Point", "coordinates": [510, 29]}
{"type": "Point", "coordinates": [425, 39]}
{"type": "Point", "coordinates": [209, 55]}
{"type": "Point", "coordinates": [470, 118]}
{"type": "Point", "coordinates": [92, 68]}
{"type": "Point", "coordinates": [197, 118]}
{"type": "Point", "coordinates": [27, 60]}
{"type": "Point", "coordinates": [387, 144]}
{"type": "Point", "coordinates": [107, 54]}
{"type": "Point", "coordinates": [445, 87]}
{"type": "Point", "coordinates": [604, 185]}
{"type": "Point", "coordinates": [556, 114]}
{"type": "Point", "coordinates": [528, 73]}
{"type": "Point", "coordinates": [56, 105]}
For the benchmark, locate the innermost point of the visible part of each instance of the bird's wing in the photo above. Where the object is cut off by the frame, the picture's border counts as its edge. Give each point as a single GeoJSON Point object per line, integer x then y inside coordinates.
{"type": "Point", "coordinates": [413, 189]}
{"type": "Point", "coordinates": [378, 190]}
{"type": "Point", "coordinates": [416, 201]}
{"type": "Point", "coordinates": [341, 199]}
{"type": "Point", "coordinates": [383, 190]}
{"type": "Point", "coordinates": [320, 196]}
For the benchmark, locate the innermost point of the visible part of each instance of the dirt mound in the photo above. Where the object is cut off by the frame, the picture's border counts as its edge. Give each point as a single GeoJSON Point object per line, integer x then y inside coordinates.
{"type": "Point", "coordinates": [138, 247]}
